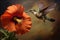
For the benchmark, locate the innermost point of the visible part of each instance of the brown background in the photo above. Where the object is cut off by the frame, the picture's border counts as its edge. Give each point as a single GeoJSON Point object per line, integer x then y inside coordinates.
{"type": "Point", "coordinates": [41, 30]}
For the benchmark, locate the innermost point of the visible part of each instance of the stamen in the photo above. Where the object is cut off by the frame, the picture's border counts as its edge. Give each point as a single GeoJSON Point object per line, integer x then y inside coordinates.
{"type": "Point", "coordinates": [17, 20]}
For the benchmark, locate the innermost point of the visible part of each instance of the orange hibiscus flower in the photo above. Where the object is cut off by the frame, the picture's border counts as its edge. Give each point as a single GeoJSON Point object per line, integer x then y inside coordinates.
{"type": "Point", "coordinates": [16, 20]}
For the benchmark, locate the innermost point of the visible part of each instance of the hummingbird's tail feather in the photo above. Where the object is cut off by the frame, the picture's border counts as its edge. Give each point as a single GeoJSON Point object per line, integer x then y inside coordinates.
{"type": "Point", "coordinates": [51, 19]}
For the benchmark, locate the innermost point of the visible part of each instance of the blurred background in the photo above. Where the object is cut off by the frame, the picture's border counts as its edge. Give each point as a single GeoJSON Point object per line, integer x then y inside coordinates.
{"type": "Point", "coordinates": [41, 30]}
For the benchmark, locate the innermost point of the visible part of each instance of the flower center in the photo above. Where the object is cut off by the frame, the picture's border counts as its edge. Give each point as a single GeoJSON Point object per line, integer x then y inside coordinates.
{"type": "Point", "coordinates": [17, 20]}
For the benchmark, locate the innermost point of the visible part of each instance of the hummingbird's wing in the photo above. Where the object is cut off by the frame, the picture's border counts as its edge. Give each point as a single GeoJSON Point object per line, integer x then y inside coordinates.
{"type": "Point", "coordinates": [50, 8]}
{"type": "Point", "coordinates": [40, 5]}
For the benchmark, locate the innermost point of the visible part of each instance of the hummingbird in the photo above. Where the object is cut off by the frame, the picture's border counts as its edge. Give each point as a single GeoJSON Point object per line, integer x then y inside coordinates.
{"type": "Point", "coordinates": [41, 14]}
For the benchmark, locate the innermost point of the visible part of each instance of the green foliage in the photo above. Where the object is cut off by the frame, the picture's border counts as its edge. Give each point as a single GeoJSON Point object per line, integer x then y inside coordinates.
{"type": "Point", "coordinates": [5, 35]}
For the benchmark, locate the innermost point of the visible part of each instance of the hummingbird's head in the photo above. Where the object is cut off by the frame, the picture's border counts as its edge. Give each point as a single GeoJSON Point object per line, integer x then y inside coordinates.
{"type": "Point", "coordinates": [33, 11]}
